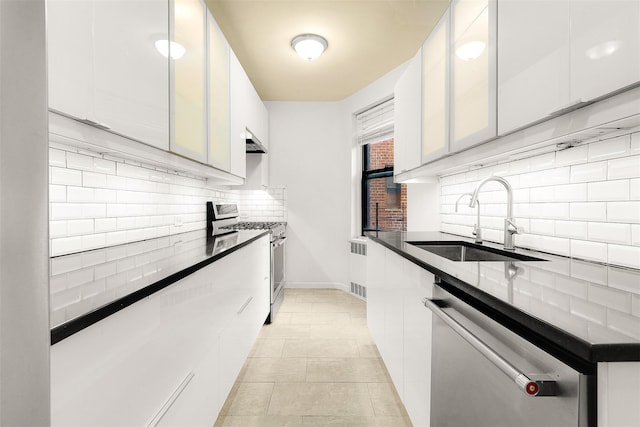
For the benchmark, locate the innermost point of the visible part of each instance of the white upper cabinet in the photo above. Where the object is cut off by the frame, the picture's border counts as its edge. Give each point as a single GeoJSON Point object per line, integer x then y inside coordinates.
{"type": "Point", "coordinates": [218, 67]}
{"type": "Point", "coordinates": [587, 49]}
{"type": "Point", "coordinates": [473, 72]}
{"type": "Point", "coordinates": [239, 88]}
{"type": "Point", "coordinates": [533, 64]}
{"type": "Point", "coordinates": [189, 112]}
{"type": "Point", "coordinates": [435, 92]}
{"type": "Point", "coordinates": [104, 68]}
{"type": "Point", "coordinates": [605, 47]}
{"type": "Point", "coordinates": [407, 109]}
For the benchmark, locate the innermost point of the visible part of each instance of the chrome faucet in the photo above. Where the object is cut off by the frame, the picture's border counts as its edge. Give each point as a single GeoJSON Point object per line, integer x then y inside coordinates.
{"type": "Point", "coordinates": [510, 228]}
{"type": "Point", "coordinates": [477, 231]}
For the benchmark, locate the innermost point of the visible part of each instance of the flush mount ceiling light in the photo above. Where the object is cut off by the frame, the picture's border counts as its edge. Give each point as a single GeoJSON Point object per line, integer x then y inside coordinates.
{"type": "Point", "coordinates": [165, 48]}
{"type": "Point", "coordinates": [470, 50]}
{"type": "Point", "coordinates": [309, 46]}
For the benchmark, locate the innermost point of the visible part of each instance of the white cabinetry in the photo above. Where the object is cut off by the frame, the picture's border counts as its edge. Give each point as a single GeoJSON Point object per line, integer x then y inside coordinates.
{"type": "Point", "coordinates": [165, 359]}
{"type": "Point", "coordinates": [239, 89]}
{"type": "Point", "coordinates": [605, 47]}
{"type": "Point", "coordinates": [218, 96]}
{"type": "Point", "coordinates": [407, 109]}
{"type": "Point", "coordinates": [473, 72]}
{"type": "Point", "coordinates": [435, 92]}
{"type": "Point", "coordinates": [401, 325]}
{"type": "Point", "coordinates": [588, 49]}
{"type": "Point", "coordinates": [533, 70]}
{"type": "Point", "coordinates": [104, 68]}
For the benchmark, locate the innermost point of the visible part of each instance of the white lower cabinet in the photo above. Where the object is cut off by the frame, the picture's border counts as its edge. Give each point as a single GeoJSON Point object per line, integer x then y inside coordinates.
{"type": "Point", "coordinates": [401, 326]}
{"type": "Point", "coordinates": [165, 360]}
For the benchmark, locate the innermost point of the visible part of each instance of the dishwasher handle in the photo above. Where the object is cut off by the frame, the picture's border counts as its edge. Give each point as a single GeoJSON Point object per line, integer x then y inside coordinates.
{"type": "Point", "coordinates": [527, 385]}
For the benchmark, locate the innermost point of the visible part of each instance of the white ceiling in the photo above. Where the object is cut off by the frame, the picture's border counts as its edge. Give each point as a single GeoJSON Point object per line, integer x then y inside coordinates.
{"type": "Point", "coordinates": [367, 39]}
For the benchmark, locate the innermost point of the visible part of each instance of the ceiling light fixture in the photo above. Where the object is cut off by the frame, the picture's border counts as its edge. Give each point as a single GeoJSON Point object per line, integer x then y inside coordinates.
{"type": "Point", "coordinates": [309, 46]}
{"type": "Point", "coordinates": [470, 50]}
{"type": "Point", "coordinates": [166, 48]}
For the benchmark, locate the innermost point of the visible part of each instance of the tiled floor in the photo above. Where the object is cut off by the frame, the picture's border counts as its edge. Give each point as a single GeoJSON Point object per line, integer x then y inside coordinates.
{"type": "Point", "coordinates": [316, 365]}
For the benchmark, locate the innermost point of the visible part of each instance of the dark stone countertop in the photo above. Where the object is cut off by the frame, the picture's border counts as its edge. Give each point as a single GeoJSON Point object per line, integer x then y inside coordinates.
{"type": "Point", "coordinates": [581, 312]}
{"type": "Point", "coordinates": [88, 286]}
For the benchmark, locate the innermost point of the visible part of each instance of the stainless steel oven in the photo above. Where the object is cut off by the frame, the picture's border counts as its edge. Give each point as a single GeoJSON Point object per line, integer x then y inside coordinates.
{"type": "Point", "coordinates": [224, 217]}
{"type": "Point", "coordinates": [486, 375]}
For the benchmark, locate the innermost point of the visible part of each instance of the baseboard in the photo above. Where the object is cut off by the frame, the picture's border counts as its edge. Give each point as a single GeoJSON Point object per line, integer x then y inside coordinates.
{"type": "Point", "coordinates": [317, 285]}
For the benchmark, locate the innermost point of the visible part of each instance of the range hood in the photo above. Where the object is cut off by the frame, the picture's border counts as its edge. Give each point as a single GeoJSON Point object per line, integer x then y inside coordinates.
{"type": "Point", "coordinates": [253, 144]}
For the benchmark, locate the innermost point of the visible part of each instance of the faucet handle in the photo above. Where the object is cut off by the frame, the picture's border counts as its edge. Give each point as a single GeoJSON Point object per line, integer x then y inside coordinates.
{"type": "Point", "coordinates": [477, 231]}
{"type": "Point", "coordinates": [513, 228]}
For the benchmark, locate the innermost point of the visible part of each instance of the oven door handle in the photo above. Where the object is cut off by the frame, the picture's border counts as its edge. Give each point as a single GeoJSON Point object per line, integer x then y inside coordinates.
{"type": "Point", "coordinates": [278, 242]}
{"type": "Point", "coordinates": [527, 385]}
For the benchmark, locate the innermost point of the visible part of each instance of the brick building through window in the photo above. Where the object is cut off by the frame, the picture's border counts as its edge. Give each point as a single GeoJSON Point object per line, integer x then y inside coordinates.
{"type": "Point", "coordinates": [384, 203]}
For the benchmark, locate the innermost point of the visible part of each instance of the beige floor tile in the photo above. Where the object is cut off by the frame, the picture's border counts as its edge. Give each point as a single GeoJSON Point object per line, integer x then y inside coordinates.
{"type": "Point", "coordinates": [345, 331]}
{"type": "Point", "coordinates": [284, 331]}
{"type": "Point", "coordinates": [282, 318]}
{"type": "Point", "coordinates": [320, 318]}
{"type": "Point", "coordinates": [368, 350]}
{"type": "Point", "coordinates": [295, 307]}
{"type": "Point", "coordinates": [335, 307]}
{"type": "Point", "coordinates": [320, 399]}
{"type": "Point", "coordinates": [339, 421]}
{"type": "Point", "coordinates": [264, 347]}
{"type": "Point", "coordinates": [248, 399]}
{"type": "Point", "coordinates": [354, 370]}
{"type": "Point", "coordinates": [393, 422]}
{"type": "Point", "coordinates": [321, 348]}
{"type": "Point", "coordinates": [258, 421]}
{"type": "Point", "coordinates": [272, 369]}
{"type": "Point", "coordinates": [385, 401]}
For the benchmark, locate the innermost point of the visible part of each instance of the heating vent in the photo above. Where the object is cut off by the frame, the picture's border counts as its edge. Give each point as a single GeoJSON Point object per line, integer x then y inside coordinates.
{"type": "Point", "coordinates": [359, 290]}
{"type": "Point", "coordinates": [358, 248]}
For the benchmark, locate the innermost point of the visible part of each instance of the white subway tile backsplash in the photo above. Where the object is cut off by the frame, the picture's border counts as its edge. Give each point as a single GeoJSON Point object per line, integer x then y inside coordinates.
{"type": "Point", "coordinates": [628, 256]}
{"type": "Point", "coordinates": [589, 172]}
{"type": "Point", "coordinates": [624, 323]}
{"type": "Point", "coordinates": [543, 161]}
{"type": "Point", "coordinates": [64, 176]}
{"type": "Point", "coordinates": [79, 227]}
{"type": "Point", "coordinates": [626, 167]}
{"type": "Point", "coordinates": [93, 179]}
{"type": "Point", "coordinates": [79, 194]}
{"type": "Point", "coordinates": [635, 234]}
{"type": "Point", "coordinates": [571, 229]}
{"type": "Point", "coordinates": [634, 189]}
{"type": "Point", "coordinates": [57, 158]}
{"type": "Point", "coordinates": [546, 177]}
{"type": "Point", "coordinates": [58, 228]}
{"type": "Point", "coordinates": [57, 193]}
{"type": "Point", "coordinates": [628, 212]}
{"type": "Point", "coordinates": [608, 190]}
{"type": "Point", "coordinates": [594, 211]}
{"type": "Point", "coordinates": [79, 161]}
{"type": "Point", "coordinates": [610, 148]}
{"type": "Point", "coordinates": [610, 232]}
{"type": "Point", "coordinates": [542, 226]}
{"type": "Point", "coordinates": [104, 166]}
{"type": "Point", "coordinates": [573, 155]}
{"type": "Point", "coordinates": [66, 245]}
{"type": "Point", "coordinates": [592, 251]}
{"type": "Point", "coordinates": [611, 298]}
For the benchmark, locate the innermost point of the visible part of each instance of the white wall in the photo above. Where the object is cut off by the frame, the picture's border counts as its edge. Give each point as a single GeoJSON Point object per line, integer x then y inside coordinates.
{"type": "Point", "coordinates": [310, 155]}
{"type": "Point", "coordinates": [24, 284]}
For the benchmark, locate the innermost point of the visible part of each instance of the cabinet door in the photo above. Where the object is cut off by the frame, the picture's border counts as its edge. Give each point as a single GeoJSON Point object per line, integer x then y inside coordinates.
{"type": "Point", "coordinates": [70, 57]}
{"type": "Point", "coordinates": [218, 66]}
{"type": "Point", "coordinates": [533, 65]}
{"type": "Point", "coordinates": [435, 92]}
{"type": "Point", "coordinates": [239, 83]}
{"type": "Point", "coordinates": [417, 344]}
{"type": "Point", "coordinates": [605, 47]}
{"type": "Point", "coordinates": [131, 84]}
{"type": "Point", "coordinates": [473, 63]}
{"type": "Point", "coordinates": [189, 112]}
{"type": "Point", "coordinates": [407, 109]}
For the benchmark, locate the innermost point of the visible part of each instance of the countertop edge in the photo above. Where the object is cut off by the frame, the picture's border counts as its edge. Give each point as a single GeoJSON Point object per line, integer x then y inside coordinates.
{"type": "Point", "coordinates": [77, 324]}
{"type": "Point", "coordinates": [583, 356]}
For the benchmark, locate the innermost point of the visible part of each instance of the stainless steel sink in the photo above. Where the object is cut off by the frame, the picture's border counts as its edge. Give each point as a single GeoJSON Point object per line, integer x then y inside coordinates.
{"type": "Point", "coordinates": [461, 252]}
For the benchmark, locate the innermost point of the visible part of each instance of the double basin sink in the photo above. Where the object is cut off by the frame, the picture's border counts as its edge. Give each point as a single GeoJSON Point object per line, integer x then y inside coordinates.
{"type": "Point", "coordinates": [466, 252]}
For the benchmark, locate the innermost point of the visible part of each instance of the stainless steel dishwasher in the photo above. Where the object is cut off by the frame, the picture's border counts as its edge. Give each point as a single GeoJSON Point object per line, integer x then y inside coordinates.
{"type": "Point", "coordinates": [483, 374]}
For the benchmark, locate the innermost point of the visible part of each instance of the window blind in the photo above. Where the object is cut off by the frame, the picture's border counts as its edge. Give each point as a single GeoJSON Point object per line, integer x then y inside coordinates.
{"type": "Point", "coordinates": [376, 123]}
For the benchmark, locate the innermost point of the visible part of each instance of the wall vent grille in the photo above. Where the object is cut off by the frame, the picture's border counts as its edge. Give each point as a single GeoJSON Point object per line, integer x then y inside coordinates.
{"type": "Point", "coordinates": [359, 248]}
{"type": "Point", "coordinates": [359, 290]}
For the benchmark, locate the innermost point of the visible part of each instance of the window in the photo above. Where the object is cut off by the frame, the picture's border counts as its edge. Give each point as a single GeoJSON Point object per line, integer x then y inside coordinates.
{"type": "Point", "coordinates": [384, 203]}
